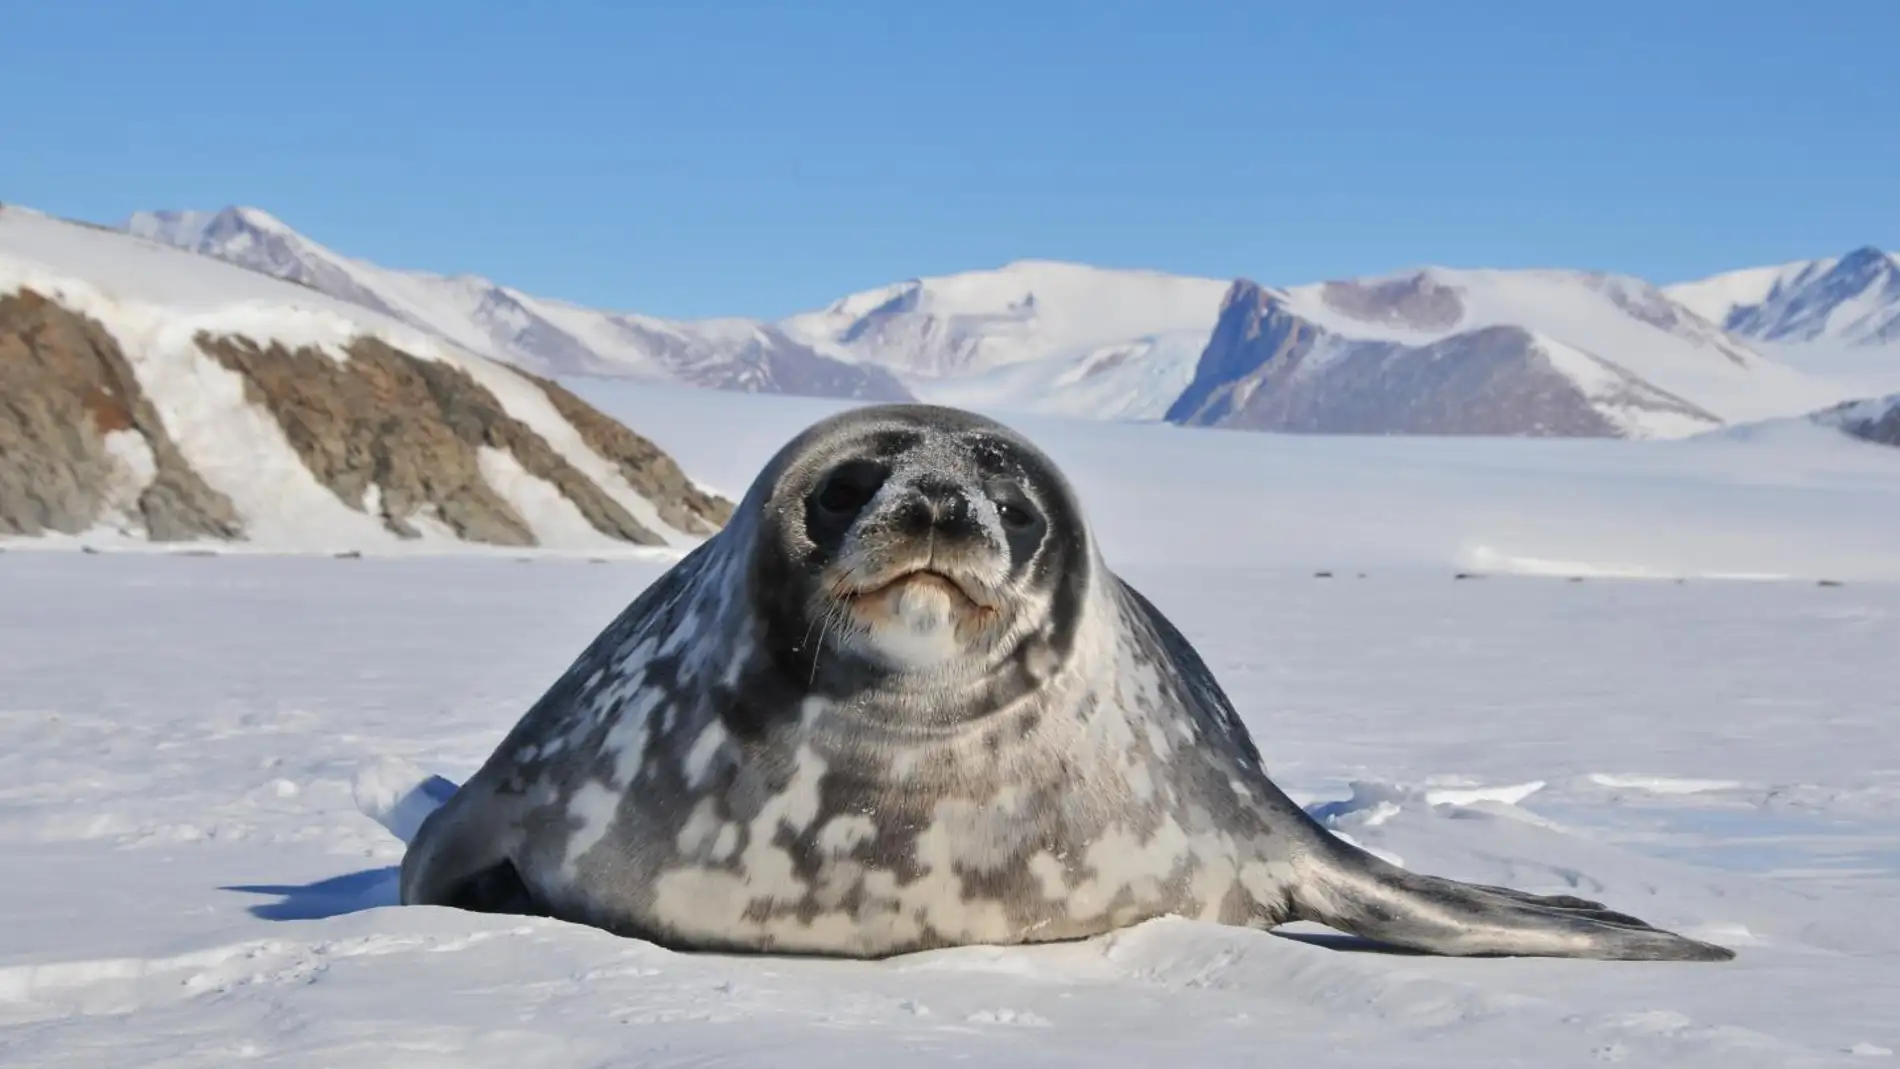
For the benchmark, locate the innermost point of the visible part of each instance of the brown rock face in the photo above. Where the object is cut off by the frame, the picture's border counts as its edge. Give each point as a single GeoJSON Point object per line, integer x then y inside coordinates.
{"type": "Point", "coordinates": [1414, 301]}
{"type": "Point", "coordinates": [413, 429]}
{"type": "Point", "coordinates": [64, 386]}
{"type": "Point", "coordinates": [648, 470]}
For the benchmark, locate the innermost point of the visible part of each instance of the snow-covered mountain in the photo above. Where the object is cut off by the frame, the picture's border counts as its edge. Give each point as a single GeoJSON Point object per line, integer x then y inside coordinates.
{"type": "Point", "coordinates": [1854, 298]}
{"type": "Point", "coordinates": [1539, 352]}
{"type": "Point", "coordinates": [547, 336]}
{"type": "Point", "coordinates": [1444, 351]}
{"type": "Point", "coordinates": [1035, 334]}
{"type": "Point", "coordinates": [1838, 316]}
{"type": "Point", "coordinates": [157, 395]}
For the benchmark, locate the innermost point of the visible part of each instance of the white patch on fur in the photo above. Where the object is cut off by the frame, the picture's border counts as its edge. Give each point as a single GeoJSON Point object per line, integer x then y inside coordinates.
{"type": "Point", "coordinates": [626, 740]}
{"type": "Point", "coordinates": [1264, 879]}
{"type": "Point", "coordinates": [1122, 862]}
{"type": "Point", "coordinates": [1140, 780]}
{"type": "Point", "coordinates": [797, 805]}
{"type": "Point", "coordinates": [841, 835]}
{"type": "Point", "coordinates": [684, 632]}
{"type": "Point", "coordinates": [593, 808]}
{"type": "Point", "coordinates": [1049, 874]}
{"type": "Point", "coordinates": [699, 759]}
{"type": "Point", "coordinates": [696, 836]}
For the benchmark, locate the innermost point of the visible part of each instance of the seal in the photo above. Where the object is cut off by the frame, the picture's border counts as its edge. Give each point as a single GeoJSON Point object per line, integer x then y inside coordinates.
{"type": "Point", "coordinates": [899, 702]}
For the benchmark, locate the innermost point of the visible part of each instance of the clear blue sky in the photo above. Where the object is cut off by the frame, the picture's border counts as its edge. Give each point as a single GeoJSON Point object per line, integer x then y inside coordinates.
{"type": "Point", "coordinates": [705, 158]}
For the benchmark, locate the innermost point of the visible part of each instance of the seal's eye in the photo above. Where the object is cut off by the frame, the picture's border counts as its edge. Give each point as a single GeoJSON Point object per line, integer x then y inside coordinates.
{"type": "Point", "coordinates": [1015, 516]}
{"type": "Point", "coordinates": [848, 488]}
{"type": "Point", "coordinates": [1022, 520]}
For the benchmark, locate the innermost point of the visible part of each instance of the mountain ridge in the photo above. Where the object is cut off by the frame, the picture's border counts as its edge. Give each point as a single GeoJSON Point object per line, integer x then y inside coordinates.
{"type": "Point", "coordinates": [551, 337]}
{"type": "Point", "coordinates": [1054, 337]}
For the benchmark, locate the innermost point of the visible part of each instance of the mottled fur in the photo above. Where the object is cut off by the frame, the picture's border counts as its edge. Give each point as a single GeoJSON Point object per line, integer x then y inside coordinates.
{"type": "Point", "coordinates": [777, 748]}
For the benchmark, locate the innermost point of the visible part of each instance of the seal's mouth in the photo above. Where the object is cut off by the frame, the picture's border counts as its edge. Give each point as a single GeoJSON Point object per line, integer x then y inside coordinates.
{"type": "Point", "coordinates": [967, 595]}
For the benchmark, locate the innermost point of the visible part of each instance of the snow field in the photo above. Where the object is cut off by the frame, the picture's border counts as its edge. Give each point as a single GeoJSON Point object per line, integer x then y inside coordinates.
{"type": "Point", "coordinates": [183, 742]}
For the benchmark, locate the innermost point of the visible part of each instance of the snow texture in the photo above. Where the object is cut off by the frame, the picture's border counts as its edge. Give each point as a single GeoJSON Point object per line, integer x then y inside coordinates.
{"type": "Point", "coordinates": [155, 300]}
{"type": "Point", "coordinates": [207, 767]}
{"type": "Point", "coordinates": [201, 840]}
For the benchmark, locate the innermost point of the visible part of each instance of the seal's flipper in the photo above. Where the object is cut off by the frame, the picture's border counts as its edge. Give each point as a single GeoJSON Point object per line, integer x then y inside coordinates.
{"type": "Point", "coordinates": [1363, 895]}
{"type": "Point", "coordinates": [399, 795]}
{"type": "Point", "coordinates": [460, 857]}
{"type": "Point", "coordinates": [496, 889]}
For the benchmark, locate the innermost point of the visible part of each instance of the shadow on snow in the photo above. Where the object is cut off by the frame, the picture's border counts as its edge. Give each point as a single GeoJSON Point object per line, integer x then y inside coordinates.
{"type": "Point", "coordinates": [351, 892]}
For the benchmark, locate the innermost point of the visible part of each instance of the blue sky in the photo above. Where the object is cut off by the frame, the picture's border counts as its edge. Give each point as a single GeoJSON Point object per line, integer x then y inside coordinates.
{"type": "Point", "coordinates": [748, 158]}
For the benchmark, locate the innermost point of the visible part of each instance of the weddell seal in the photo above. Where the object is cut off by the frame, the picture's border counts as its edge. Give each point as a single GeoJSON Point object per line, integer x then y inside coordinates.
{"type": "Point", "coordinates": [899, 702]}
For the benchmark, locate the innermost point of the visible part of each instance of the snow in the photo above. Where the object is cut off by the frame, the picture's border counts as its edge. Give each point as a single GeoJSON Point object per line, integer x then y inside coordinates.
{"type": "Point", "coordinates": [1608, 391]}
{"type": "Point", "coordinates": [1795, 501]}
{"type": "Point", "coordinates": [1717, 297]}
{"type": "Point", "coordinates": [155, 300]}
{"type": "Point", "coordinates": [1863, 368]}
{"type": "Point", "coordinates": [1618, 319]}
{"type": "Point", "coordinates": [192, 878]}
{"type": "Point", "coordinates": [559, 523]}
{"type": "Point", "coordinates": [1806, 315]}
{"type": "Point", "coordinates": [1055, 338]}
{"type": "Point", "coordinates": [1129, 380]}
{"type": "Point", "coordinates": [474, 313]}
{"type": "Point", "coordinates": [978, 321]}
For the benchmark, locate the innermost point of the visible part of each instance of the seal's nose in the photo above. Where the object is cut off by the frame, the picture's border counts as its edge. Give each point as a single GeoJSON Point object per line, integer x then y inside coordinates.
{"type": "Point", "coordinates": [939, 503]}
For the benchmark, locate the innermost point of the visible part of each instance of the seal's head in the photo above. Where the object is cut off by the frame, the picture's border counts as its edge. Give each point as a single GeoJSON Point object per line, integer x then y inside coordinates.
{"type": "Point", "coordinates": [920, 546]}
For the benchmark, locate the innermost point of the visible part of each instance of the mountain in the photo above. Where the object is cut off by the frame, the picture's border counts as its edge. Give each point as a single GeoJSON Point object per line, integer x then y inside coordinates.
{"type": "Point", "coordinates": [1853, 298]}
{"type": "Point", "coordinates": [1036, 335]}
{"type": "Point", "coordinates": [1452, 351]}
{"type": "Point", "coordinates": [1838, 316]}
{"type": "Point", "coordinates": [1437, 350]}
{"type": "Point", "coordinates": [1874, 419]}
{"type": "Point", "coordinates": [546, 336]}
{"type": "Point", "coordinates": [149, 394]}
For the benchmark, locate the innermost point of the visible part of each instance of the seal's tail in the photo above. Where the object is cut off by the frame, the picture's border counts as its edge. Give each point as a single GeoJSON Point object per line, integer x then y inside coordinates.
{"type": "Point", "coordinates": [1358, 893]}
{"type": "Point", "coordinates": [400, 796]}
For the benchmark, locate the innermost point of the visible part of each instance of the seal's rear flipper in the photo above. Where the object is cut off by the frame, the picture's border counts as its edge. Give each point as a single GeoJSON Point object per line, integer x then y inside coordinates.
{"type": "Point", "coordinates": [400, 796]}
{"type": "Point", "coordinates": [1361, 894]}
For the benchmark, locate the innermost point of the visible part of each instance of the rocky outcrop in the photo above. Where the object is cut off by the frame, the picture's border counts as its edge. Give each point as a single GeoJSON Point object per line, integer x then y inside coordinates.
{"type": "Point", "coordinates": [1874, 420]}
{"type": "Point", "coordinates": [1267, 368]}
{"type": "Point", "coordinates": [1416, 301]}
{"type": "Point", "coordinates": [80, 443]}
{"type": "Point", "coordinates": [1885, 430]}
{"type": "Point", "coordinates": [157, 395]}
{"type": "Point", "coordinates": [684, 506]}
{"type": "Point", "coordinates": [1254, 332]}
{"type": "Point", "coordinates": [401, 436]}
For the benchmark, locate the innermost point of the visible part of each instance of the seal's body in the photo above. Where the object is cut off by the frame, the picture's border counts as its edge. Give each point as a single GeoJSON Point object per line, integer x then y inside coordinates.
{"type": "Point", "coordinates": [900, 703]}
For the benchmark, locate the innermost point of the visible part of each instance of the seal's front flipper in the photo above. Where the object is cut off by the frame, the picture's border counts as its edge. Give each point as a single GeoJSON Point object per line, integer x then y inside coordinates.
{"type": "Point", "coordinates": [1361, 894]}
{"type": "Point", "coordinates": [461, 857]}
{"type": "Point", "coordinates": [496, 889]}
